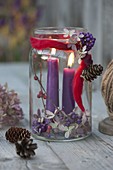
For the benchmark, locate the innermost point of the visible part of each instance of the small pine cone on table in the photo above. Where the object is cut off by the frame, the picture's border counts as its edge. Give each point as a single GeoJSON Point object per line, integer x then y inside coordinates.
{"type": "Point", "coordinates": [25, 148]}
{"type": "Point", "coordinates": [21, 138]}
{"type": "Point", "coordinates": [92, 72]}
{"type": "Point", "coordinates": [15, 134]}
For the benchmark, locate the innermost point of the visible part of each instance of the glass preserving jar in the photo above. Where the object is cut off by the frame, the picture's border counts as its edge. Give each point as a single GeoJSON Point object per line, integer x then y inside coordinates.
{"type": "Point", "coordinates": [60, 95]}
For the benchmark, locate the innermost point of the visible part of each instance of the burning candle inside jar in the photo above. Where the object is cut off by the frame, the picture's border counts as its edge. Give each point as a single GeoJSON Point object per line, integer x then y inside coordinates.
{"type": "Point", "coordinates": [68, 102]}
{"type": "Point", "coordinates": [52, 100]}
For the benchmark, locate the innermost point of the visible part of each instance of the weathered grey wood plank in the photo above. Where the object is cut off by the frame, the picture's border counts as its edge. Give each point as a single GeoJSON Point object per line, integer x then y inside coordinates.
{"type": "Point", "coordinates": [45, 158]}
{"type": "Point", "coordinates": [93, 153]}
{"type": "Point", "coordinates": [16, 75]}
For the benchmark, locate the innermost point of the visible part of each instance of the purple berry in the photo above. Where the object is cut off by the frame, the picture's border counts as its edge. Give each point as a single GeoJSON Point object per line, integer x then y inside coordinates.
{"type": "Point", "coordinates": [72, 120]}
{"type": "Point", "coordinates": [79, 121]}
{"type": "Point", "coordinates": [46, 121]}
{"type": "Point", "coordinates": [35, 122]}
{"type": "Point", "coordinates": [73, 116]}
{"type": "Point", "coordinates": [68, 122]}
{"type": "Point", "coordinates": [88, 40]}
{"type": "Point", "coordinates": [40, 127]}
{"type": "Point", "coordinates": [43, 128]}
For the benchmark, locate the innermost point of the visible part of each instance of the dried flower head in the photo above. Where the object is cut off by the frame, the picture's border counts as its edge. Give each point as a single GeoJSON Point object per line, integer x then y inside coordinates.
{"type": "Point", "coordinates": [79, 42]}
{"type": "Point", "coordinates": [10, 110]}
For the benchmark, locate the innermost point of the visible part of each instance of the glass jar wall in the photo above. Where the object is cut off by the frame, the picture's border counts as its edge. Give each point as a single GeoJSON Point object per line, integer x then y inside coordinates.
{"type": "Point", "coordinates": [60, 98]}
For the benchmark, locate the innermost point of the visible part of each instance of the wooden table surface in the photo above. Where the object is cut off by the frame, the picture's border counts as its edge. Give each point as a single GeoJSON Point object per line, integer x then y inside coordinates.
{"type": "Point", "coordinates": [92, 153]}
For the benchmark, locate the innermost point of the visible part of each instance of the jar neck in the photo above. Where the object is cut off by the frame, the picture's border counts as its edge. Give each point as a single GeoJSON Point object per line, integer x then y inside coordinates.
{"type": "Point", "coordinates": [56, 33]}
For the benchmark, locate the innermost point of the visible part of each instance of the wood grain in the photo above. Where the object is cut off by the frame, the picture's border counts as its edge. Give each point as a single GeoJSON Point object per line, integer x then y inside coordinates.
{"type": "Point", "coordinates": [93, 153]}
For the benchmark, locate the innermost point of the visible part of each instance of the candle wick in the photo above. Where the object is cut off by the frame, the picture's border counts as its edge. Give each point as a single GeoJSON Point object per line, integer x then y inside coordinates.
{"type": "Point", "coordinates": [68, 67]}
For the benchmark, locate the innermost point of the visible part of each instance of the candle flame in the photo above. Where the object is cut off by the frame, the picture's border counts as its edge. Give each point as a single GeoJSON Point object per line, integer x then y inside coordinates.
{"type": "Point", "coordinates": [70, 60]}
{"type": "Point", "coordinates": [53, 51]}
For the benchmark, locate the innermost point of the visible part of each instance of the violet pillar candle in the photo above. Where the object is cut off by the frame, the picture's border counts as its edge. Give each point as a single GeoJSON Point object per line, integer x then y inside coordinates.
{"type": "Point", "coordinates": [68, 102]}
{"type": "Point", "coordinates": [52, 100]}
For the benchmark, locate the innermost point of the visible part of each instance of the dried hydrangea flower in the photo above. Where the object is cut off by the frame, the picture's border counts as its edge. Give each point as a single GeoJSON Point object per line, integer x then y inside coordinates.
{"type": "Point", "coordinates": [10, 110]}
{"type": "Point", "coordinates": [68, 32]}
{"type": "Point", "coordinates": [81, 53]}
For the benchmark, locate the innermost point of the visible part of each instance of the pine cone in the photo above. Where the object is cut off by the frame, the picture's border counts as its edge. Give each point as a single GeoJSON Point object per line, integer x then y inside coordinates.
{"type": "Point", "coordinates": [92, 72]}
{"type": "Point", "coordinates": [15, 134]}
{"type": "Point", "coordinates": [26, 148]}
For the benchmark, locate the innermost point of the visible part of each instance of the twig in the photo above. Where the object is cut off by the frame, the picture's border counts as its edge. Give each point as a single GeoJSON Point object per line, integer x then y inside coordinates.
{"type": "Point", "coordinates": [41, 83]}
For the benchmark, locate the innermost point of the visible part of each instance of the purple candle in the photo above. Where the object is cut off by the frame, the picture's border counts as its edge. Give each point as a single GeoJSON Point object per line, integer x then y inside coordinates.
{"type": "Point", "coordinates": [52, 84]}
{"type": "Point", "coordinates": [68, 102]}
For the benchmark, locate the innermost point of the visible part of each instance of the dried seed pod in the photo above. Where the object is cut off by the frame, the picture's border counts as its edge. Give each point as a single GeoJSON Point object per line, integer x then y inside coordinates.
{"type": "Point", "coordinates": [92, 72]}
{"type": "Point", "coordinates": [15, 134]}
{"type": "Point", "coordinates": [25, 148]}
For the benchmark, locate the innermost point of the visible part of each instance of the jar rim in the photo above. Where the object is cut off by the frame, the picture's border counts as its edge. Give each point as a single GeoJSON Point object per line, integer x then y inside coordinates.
{"type": "Point", "coordinates": [57, 30]}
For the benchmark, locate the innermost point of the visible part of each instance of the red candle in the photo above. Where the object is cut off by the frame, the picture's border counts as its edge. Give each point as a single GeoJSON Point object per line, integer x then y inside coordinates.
{"type": "Point", "coordinates": [68, 102]}
{"type": "Point", "coordinates": [52, 84]}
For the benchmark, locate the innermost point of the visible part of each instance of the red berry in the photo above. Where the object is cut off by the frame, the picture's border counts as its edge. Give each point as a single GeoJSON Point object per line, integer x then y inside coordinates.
{"type": "Point", "coordinates": [49, 128]}
{"type": "Point", "coordinates": [45, 97]}
{"type": "Point", "coordinates": [40, 92]}
{"type": "Point", "coordinates": [38, 95]}
{"type": "Point", "coordinates": [35, 77]}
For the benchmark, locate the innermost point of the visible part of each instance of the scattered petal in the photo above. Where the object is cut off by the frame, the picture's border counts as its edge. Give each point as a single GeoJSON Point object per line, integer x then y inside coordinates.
{"type": "Point", "coordinates": [87, 113]}
{"type": "Point", "coordinates": [67, 134]}
{"type": "Point", "coordinates": [81, 35]}
{"type": "Point", "coordinates": [68, 32]}
{"type": "Point", "coordinates": [56, 111]}
{"type": "Point", "coordinates": [84, 118]}
{"type": "Point", "coordinates": [71, 127]}
{"type": "Point", "coordinates": [71, 32]}
{"type": "Point", "coordinates": [54, 125]}
{"type": "Point", "coordinates": [78, 39]}
{"type": "Point", "coordinates": [63, 128]}
{"type": "Point", "coordinates": [84, 48]}
{"type": "Point", "coordinates": [40, 119]}
{"type": "Point", "coordinates": [49, 114]}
